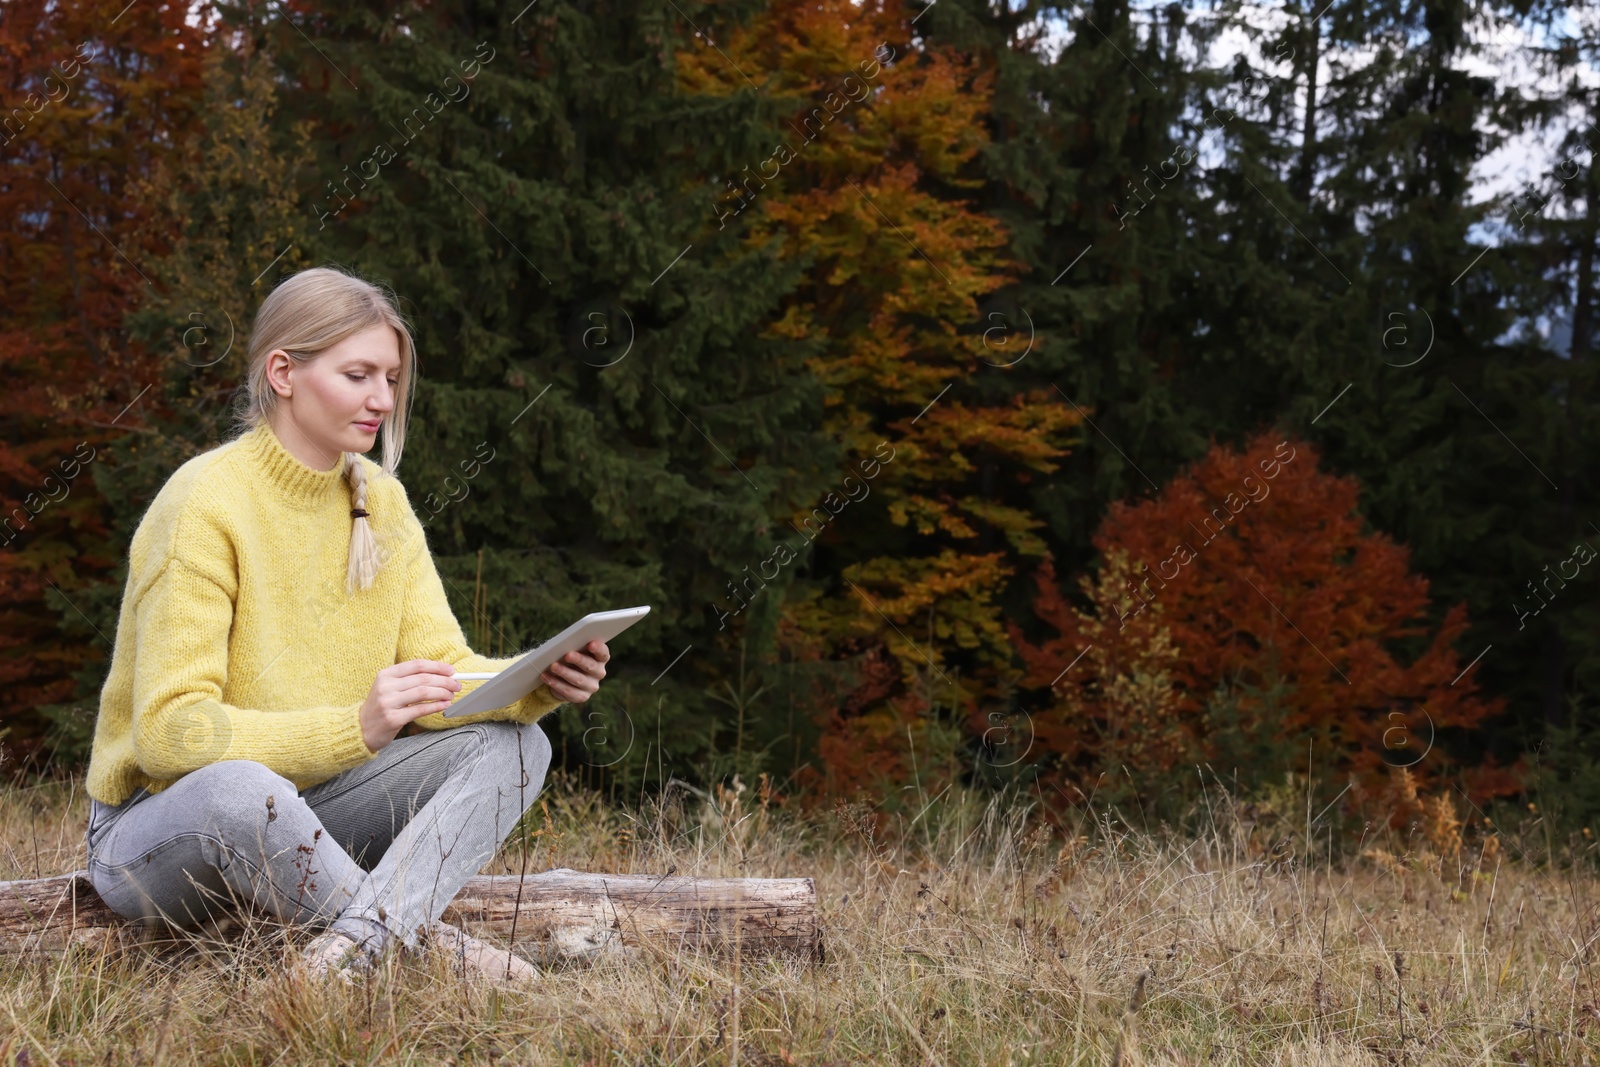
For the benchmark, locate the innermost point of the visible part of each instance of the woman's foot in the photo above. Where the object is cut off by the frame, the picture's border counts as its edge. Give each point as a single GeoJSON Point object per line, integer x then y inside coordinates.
{"type": "Point", "coordinates": [333, 954]}
{"type": "Point", "coordinates": [469, 956]}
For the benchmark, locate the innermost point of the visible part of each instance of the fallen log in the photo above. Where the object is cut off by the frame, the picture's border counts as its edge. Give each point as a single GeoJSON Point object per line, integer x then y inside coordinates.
{"type": "Point", "coordinates": [555, 914]}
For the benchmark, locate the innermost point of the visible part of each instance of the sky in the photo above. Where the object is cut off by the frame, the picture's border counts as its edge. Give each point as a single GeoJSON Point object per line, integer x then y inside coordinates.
{"type": "Point", "coordinates": [1508, 56]}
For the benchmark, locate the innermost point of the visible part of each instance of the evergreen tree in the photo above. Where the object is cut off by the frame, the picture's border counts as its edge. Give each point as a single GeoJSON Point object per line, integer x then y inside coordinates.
{"type": "Point", "coordinates": [1289, 228]}
{"type": "Point", "coordinates": [1448, 421]}
{"type": "Point", "coordinates": [1546, 249]}
{"type": "Point", "coordinates": [672, 354]}
{"type": "Point", "coordinates": [532, 182]}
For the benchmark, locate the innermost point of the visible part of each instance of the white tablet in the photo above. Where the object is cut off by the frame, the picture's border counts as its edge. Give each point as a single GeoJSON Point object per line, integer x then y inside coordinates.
{"type": "Point", "coordinates": [522, 676]}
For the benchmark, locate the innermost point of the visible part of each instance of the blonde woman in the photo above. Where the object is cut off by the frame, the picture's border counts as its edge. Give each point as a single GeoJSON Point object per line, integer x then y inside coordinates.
{"type": "Point", "coordinates": [282, 621]}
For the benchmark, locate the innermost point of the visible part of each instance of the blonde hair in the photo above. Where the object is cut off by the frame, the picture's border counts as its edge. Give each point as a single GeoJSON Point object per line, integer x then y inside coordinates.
{"type": "Point", "coordinates": [308, 313]}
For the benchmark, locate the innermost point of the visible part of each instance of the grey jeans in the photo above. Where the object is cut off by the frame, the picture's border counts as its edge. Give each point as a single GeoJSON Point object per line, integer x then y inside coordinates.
{"type": "Point", "coordinates": [376, 851]}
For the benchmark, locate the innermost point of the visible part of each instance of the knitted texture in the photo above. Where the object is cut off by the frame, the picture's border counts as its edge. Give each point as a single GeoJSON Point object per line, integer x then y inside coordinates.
{"type": "Point", "coordinates": [236, 638]}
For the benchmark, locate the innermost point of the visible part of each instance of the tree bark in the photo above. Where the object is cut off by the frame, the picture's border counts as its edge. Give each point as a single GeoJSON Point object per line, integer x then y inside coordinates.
{"type": "Point", "coordinates": [1556, 665]}
{"type": "Point", "coordinates": [1306, 174]}
{"type": "Point", "coordinates": [559, 913]}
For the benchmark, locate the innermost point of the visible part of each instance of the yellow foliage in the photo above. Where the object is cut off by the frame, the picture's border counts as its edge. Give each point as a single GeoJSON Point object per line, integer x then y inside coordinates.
{"type": "Point", "coordinates": [890, 305]}
{"type": "Point", "coordinates": [1122, 688]}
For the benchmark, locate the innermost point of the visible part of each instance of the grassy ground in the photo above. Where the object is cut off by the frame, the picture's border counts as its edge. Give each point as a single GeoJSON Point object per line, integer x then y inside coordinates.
{"type": "Point", "coordinates": [970, 934]}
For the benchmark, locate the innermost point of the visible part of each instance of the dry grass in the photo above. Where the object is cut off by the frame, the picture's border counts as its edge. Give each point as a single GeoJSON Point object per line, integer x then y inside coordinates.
{"type": "Point", "coordinates": [970, 934]}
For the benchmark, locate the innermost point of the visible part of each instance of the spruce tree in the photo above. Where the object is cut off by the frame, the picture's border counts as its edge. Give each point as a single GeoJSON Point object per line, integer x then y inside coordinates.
{"type": "Point", "coordinates": [1269, 240]}
{"type": "Point", "coordinates": [1546, 249]}
{"type": "Point", "coordinates": [533, 183]}
{"type": "Point", "coordinates": [1447, 420]}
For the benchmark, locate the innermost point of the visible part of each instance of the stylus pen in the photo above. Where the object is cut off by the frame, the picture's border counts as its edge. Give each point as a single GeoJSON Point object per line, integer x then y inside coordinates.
{"type": "Point", "coordinates": [468, 676]}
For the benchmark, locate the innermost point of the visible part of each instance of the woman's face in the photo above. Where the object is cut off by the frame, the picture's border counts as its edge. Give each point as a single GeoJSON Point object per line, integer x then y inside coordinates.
{"type": "Point", "coordinates": [336, 402]}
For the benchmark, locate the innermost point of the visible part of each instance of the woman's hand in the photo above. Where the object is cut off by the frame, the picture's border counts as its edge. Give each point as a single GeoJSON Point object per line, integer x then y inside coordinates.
{"type": "Point", "coordinates": [404, 692]}
{"type": "Point", "coordinates": [575, 676]}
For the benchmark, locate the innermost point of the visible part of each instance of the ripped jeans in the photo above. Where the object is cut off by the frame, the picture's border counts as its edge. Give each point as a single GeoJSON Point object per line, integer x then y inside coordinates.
{"type": "Point", "coordinates": [376, 851]}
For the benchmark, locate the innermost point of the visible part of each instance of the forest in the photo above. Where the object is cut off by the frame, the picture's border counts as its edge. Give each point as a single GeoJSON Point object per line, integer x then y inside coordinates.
{"type": "Point", "coordinates": [1096, 400]}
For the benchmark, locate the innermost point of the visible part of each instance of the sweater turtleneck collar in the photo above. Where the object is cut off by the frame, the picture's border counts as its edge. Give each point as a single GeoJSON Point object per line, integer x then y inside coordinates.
{"type": "Point", "coordinates": [301, 485]}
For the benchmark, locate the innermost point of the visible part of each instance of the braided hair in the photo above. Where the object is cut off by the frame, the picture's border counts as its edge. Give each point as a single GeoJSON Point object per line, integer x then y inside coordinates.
{"type": "Point", "coordinates": [307, 313]}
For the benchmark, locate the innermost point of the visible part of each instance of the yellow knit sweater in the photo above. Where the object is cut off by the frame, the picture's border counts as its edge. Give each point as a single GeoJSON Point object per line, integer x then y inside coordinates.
{"type": "Point", "coordinates": [236, 638]}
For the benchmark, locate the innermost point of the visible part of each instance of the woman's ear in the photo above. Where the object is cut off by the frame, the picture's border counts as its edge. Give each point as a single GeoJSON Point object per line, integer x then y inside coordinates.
{"type": "Point", "coordinates": [279, 363]}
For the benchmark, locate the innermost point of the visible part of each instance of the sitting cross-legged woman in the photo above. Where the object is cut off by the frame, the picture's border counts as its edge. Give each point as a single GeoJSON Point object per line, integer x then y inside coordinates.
{"type": "Point", "coordinates": [282, 621]}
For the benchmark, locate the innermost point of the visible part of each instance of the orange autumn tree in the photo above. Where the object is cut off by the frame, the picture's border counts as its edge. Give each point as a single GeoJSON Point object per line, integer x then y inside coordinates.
{"type": "Point", "coordinates": [1245, 618]}
{"type": "Point", "coordinates": [875, 149]}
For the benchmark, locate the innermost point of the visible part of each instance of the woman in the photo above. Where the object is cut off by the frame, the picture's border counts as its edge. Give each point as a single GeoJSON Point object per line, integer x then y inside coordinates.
{"type": "Point", "coordinates": [282, 621]}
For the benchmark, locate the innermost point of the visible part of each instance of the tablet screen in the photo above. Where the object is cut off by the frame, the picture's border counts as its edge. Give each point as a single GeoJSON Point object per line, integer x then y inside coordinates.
{"type": "Point", "coordinates": [521, 677]}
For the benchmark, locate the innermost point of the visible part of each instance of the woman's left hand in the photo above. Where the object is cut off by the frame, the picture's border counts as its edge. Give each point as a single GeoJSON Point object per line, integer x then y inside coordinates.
{"type": "Point", "coordinates": [575, 676]}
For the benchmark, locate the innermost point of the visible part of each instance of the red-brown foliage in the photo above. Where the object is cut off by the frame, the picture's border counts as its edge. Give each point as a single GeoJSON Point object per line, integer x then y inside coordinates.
{"type": "Point", "coordinates": [95, 96]}
{"type": "Point", "coordinates": [1249, 573]}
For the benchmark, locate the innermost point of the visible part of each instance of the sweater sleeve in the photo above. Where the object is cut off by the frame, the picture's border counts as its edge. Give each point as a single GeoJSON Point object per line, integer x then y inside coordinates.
{"type": "Point", "coordinates": [180, 722]}
{"type": "Point", "coordinates": [429, 630]}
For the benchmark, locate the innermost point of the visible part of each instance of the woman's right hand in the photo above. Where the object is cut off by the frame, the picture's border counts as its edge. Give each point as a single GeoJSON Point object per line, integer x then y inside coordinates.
{"type": "Point", "coordinates": [402, 693]}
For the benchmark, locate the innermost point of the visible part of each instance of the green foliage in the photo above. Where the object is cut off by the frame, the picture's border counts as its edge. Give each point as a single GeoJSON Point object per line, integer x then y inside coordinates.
{"type": "Point", "coordinates": [656, 415]}
{"type": "Point", "coordinates": [1310, 271]}
{"type": "Point", "coordinates": [576, 310]}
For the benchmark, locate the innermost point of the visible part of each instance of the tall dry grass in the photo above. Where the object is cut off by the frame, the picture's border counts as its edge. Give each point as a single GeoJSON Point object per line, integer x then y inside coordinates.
{"type": "Point", "coordinates": [968, 934]}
